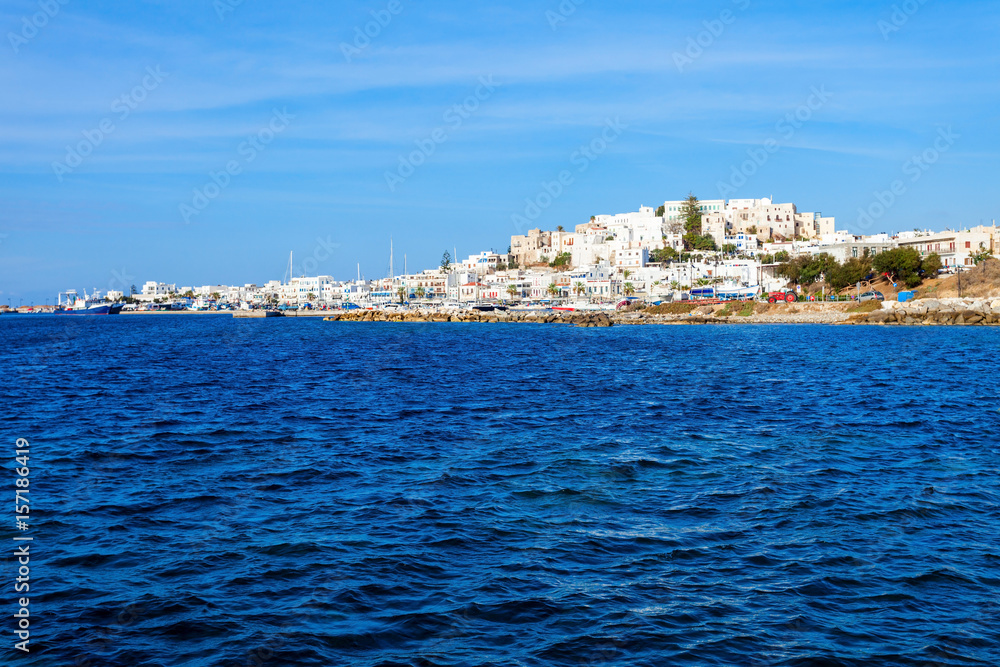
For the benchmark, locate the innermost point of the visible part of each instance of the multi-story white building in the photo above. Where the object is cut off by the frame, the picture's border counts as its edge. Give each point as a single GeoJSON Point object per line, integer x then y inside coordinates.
{"type": "Point", "coordinates": [154, 289]}
{"type": "Point", "coordinates": [483, 263]}
{"type": "Point", "coordinates": [954, 248]}
{"type": "Point", "coordinates": [745, 243]}
{"type": "Point", "coordinates": [431, 284]}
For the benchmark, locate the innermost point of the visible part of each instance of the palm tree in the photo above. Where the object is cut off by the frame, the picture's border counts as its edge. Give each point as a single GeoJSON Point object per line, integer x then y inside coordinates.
{"type": "Point", "coordinates": [401, 292]}
{"type": "Point", "coordinates": [629, 289]}
{"type": "Point", "coordinates": [511, 290]}
{"type": "Point", "coordinates": [579, 288]}
{"type": "Point", "coordinates": [626, 273]}
{"type": "Point", "coordinates": [216, 296]}
{"type": "Point", "coordinates": [310, 297]}
{"type": "Point", "coordinates": [559, 228]}
{"type": "Point", "coordinates": [420, 292]}
{"type": "Point", "coordinates": [675, 285]}
{"type": "Point", "coordinates": [554, 291]}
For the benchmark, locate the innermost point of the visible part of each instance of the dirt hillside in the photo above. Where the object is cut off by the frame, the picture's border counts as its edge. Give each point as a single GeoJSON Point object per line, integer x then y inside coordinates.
{"type": "Point", "coordinates": [977, 282]}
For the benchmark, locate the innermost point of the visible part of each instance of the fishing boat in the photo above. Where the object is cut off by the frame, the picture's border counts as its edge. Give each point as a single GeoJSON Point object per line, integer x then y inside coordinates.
{"type": "Point", "coordinates": [91, 304]}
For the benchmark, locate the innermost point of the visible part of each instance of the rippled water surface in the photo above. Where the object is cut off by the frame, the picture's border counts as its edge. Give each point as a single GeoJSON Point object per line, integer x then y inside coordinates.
{"type": "Point", "coordinates": [208, 491]}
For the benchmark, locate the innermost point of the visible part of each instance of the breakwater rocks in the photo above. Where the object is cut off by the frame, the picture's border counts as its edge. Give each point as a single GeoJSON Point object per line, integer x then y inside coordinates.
{"type": "Point", "coordinates": [936, 312]}
{"type": "Point", "coordinates": [942, 312]}
{"type": "Point", "coordinates": [599, 319]}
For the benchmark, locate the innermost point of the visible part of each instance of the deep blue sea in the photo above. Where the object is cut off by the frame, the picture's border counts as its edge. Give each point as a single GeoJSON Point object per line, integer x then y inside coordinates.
{"type": "Point", "coordinates": [207, 491]}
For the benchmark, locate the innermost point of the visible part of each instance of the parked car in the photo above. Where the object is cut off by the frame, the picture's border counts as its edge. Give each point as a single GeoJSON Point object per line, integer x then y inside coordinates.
{"type": "Point", "coordinates": [874, 295]}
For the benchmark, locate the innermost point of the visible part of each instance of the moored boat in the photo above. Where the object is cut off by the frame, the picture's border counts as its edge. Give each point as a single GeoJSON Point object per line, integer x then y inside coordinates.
{"type": "Point", "coordinates": [86, 305]}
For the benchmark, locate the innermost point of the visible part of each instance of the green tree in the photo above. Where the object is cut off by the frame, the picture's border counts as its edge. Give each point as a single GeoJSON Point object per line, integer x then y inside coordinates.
{"type": "Point", "coordinates": [981, 256]}
{"type": "Point", "coordinates": [692, 217]}
{"type": "Point", "coordinates": [805, 270]}
{"type": "Point", "coordinates": [629, 289]}
{"type": "Point", "coordinates": [559, 228]}
{"type": "Point", "coordinates": [705, 242]}
{"type": "Point", "coordinates": [553, 290]}
{"type": "Point", "coordinates": [446, 261]}
{"type": "Point", "coordinates": [782, 256]}
{"type": "Point", "coordinates": [930, 265]}
{"type": "Point", "coordinates": [850, 273]}
{"type": "Point", "coordinates": [691, 213]}
{"type": "Point", "coordinates": [562, 259]}
{"type": "Point", "coordinates": [900, 264]}
{"type": "Point", "coordinates": [310, 297]}
{"type": "Point", "coordinates": [511, 291]}
{"type": "Point", "coordinates": [729, 249]}
{"type": "Point", "coordinates": [401, 293]}
{"type": "Point", "coordinates": [663, 255]}
{"type": "Point", "coordinates": [661, 211]}
{"type": "Point", "coordinates": [420, 292]}
{"type": "Point", "coordinates": [579, 288]}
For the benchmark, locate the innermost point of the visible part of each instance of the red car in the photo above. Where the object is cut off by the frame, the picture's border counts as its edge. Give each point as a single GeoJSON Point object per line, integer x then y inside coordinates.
{"type": "Point", "coordinates": [775, 297]}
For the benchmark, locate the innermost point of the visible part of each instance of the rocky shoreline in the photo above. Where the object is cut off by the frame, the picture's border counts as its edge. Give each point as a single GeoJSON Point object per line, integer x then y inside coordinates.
{"type": "Point", "coordinates": [941, 312]}
{"type": "Point", "coordinates": [938, 312]}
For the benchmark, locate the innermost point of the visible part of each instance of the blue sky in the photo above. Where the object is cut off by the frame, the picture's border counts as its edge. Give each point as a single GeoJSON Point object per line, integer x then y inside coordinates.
{"type": "Point", "coordinates": [561, 72]}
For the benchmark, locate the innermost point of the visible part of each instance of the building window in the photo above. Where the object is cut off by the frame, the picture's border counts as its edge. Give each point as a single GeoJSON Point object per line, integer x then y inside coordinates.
{"type": "Point", "coordinates": [968, 244]}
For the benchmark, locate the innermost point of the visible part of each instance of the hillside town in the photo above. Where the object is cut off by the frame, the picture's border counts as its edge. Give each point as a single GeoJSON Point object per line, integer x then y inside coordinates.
{"type": "Point", "coordinates": [659, 254]}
